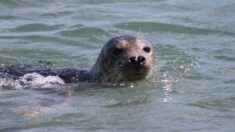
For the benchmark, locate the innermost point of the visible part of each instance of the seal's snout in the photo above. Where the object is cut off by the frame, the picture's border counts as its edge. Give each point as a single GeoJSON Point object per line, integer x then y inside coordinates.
{"type": "Point", "coordinates": [137, 60]}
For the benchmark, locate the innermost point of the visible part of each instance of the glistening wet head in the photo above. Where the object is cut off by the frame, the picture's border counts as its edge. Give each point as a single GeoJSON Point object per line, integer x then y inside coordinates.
{"type": "Point", "coordinates": [122, 59]}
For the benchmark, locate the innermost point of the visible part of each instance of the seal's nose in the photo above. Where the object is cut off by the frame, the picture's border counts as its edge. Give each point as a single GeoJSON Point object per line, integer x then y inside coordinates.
{"type": "Point", "coordinates": [137, 60]}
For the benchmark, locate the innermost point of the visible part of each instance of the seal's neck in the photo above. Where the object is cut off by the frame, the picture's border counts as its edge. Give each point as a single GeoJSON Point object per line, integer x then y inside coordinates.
{"type": "Point", "coordinates": [99, 73]}
{"type": "Point", "coordinates": [95, 74]}
{"type": "Point", "coordinates": [91, 78]}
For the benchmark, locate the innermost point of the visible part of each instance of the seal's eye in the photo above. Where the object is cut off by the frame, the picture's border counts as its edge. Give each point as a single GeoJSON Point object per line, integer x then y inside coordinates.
{"type": "Point", "coordinates": [147, 49]}
{"type": "Point", "coordinates": [117, 51]}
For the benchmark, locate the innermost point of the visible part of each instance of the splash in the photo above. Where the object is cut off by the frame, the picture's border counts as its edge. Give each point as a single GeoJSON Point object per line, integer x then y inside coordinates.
{"type": "Point", "coordinates": [30, 81]}
{"type": "Point", "coordinates": [176, 64]}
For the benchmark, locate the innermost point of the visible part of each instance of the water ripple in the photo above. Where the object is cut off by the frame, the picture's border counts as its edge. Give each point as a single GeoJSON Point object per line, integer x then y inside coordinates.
{"type": "Point", "coordinates": [164, 27]}
{"type": "Point", "coordinates": [84, 31]}
{"type": "Point", "coordinates": [9, 17]}
{"type": "Point", "coordinates": [224, 57]}
{"type": "Point", "coordinates": [34, 27]}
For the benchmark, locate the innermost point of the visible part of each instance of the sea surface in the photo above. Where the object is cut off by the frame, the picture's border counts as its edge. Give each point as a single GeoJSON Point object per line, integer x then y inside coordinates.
{"type": "Point", "coordinates": [192, 90]}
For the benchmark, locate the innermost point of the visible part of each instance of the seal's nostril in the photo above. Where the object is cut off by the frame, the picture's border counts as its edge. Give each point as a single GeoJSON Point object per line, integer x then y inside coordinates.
{"type": "Point", "coordinates": [132, 60]}
{"type": "Point", "coordinates": [137, 60]}
{"type": "Point", "coordinates": [140, 59]}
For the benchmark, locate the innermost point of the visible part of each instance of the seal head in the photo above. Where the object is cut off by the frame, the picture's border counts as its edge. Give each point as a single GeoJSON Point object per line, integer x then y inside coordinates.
{"type": "Point", "coordinates": [124, 58]}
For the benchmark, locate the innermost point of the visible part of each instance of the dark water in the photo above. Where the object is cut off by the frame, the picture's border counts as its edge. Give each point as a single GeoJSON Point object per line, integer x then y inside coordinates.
{"type": "Point", "coordinates": [194, 41]}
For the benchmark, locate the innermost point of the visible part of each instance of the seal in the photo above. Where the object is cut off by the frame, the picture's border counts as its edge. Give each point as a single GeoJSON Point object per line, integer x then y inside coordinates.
{"type": "Point", "coordinates": [124, 58]}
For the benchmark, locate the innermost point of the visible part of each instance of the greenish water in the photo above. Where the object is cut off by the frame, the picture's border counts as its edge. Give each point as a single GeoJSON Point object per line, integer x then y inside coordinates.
{"type": "Point", "coordinates": [193, 90]}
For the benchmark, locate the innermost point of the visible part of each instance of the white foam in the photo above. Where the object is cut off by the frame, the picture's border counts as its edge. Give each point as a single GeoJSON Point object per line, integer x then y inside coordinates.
{"type": "Point", "coordinates": [35, 80]}
{"type": "Point", "coordinates": [30, 81]}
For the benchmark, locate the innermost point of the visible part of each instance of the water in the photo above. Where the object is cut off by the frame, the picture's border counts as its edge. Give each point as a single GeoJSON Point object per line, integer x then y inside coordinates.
{"type": "Point", "coordinates": [193, 90]}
